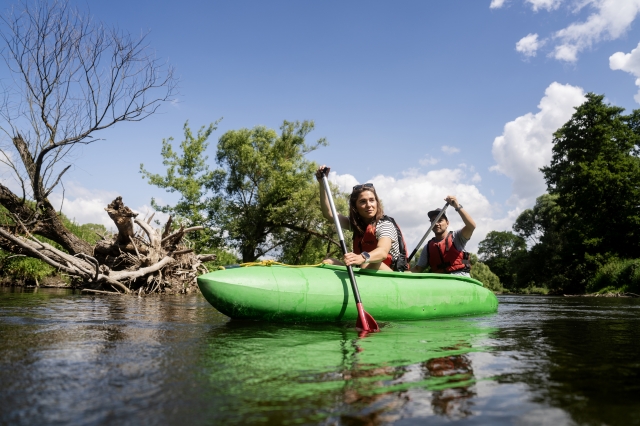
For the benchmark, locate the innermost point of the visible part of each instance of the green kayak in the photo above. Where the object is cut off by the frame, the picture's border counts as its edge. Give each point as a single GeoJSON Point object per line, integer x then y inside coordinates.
{"type": "Point", "coordinates": [323, 293]}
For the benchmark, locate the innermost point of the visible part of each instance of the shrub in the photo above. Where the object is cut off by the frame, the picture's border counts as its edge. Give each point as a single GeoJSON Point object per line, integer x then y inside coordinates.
{"type": "Point", "coordinates": [482, 273]}
{"type": "Point", "coordinates": [622, 275]}
{"type": "Point", "coordinates": [21, 268]}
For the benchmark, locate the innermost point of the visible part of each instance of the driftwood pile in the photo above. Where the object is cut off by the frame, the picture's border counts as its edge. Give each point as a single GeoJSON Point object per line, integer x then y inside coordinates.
{"type": "Point", "coordinates": [145, 260]}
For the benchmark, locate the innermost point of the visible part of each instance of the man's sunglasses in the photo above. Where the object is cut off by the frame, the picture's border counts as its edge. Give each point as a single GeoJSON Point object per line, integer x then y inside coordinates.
{"type": "Point", "coordinates": [364, 185]}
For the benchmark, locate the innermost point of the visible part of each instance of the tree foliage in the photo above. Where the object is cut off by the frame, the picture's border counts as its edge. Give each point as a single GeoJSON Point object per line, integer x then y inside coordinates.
{"type": "Point", "coordinates": [483, 273]}
{"type": "Point", "coordinates": [595, 171]}
{"type": "Point", "coordinates": [267, 187]}
{"type": "Point", "coordinates": [544, 265]}
{"type": "Point", "coordinates": [590, 216]}
{"type": "Point", "coordinates": [499, 251]}
{"type": "Point", "coordinates": [617, 276]}
{"type": "Point", "coordinates": [188, 174]}
{"type": "Point", "coordinates": [262, 199]}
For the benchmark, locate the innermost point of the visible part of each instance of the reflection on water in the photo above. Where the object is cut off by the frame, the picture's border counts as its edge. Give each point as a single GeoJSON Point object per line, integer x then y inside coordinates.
{"type": "Point", "coordinates": [340, 376]}
{"type": "Point", "coordinates": [69, 358]}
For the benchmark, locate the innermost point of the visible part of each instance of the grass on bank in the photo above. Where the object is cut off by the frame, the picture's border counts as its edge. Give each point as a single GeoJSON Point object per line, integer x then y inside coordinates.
{"type": "Point", "coordinates": [24, 270]}
{"type": "Point", "coordinates": [616, 276]}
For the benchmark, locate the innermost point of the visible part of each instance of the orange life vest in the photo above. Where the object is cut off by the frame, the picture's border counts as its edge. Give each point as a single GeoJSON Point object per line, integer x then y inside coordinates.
{"type": "Point", "coordinates": [369, 242]}
{"type": "Point", "coordinates": [445, 258]}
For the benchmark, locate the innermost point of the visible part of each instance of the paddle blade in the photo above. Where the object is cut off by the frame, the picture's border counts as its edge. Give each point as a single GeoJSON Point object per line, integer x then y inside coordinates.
{"type": "Point", "coordinates": [365, 321]}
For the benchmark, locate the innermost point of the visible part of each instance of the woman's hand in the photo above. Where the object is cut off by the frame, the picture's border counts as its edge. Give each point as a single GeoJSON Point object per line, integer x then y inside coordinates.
{"type": "Point", "coordinates": [352, 259]}
{"type": "Point", "coordinates": [322, 171]}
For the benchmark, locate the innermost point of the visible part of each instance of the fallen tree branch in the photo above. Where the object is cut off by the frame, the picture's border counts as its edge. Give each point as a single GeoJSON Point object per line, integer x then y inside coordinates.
{"type": "Point", "coordinates": [184, 231]}
{"type": "Point", "coordinates": [113, 282]}
{"type": "Point", "coordinates": [185, 251]}
{"type": "Point", "coordinates": [207, 257]}
{"type": "Point", "coordinates": [154, 240]}
{"type": "Point", "coordinates": [121, 216]}
{"type": "Point", "coordinates": [93, 261]}
{"type": "Point", "coordinates": [167, 227]}
{"type": "Point", "coordinates": [88, 290]}
{"type": "Point", "coordinates": [131, 275]}
{"type": "Point", "coordinates": [35, 253]}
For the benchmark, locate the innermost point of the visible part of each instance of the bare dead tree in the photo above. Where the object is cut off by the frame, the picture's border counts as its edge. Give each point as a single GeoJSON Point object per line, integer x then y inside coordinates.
{"type": "Point", "coordinates": [72, 78]}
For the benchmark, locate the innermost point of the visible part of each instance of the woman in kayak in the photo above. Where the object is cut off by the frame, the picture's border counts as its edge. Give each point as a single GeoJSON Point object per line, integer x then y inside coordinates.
{"type": "Point", "coordinates": [377, 239]}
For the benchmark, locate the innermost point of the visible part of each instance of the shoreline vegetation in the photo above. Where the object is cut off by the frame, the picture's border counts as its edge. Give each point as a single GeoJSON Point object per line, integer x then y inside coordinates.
{"type": "Point", "coordinates": [259, 197]}
{"type": "Point", "coordinates": [581, 237]}
{"type": "Point", "coordinates": [262, 200]}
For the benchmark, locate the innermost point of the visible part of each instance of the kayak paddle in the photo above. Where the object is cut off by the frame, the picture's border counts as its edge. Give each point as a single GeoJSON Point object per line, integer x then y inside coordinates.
{"type": "Point", "coordinates": [365, 321]}
{"type": "Point", "coordinates": [415, 250]}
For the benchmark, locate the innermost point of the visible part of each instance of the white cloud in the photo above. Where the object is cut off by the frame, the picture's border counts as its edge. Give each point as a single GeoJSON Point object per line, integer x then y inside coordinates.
{"type": "Point", "coordinates": [609, 20]}
{"type": "Point", "coordinates": [497, 4]}
{"type": "Point", "coordinates": [544, 4]}
{"type": "Point", "coordinates": [84, 205]}
{"type": "Point", "coordinates": [526, 142]}
{"type": "Point", "coordinates": [528, 45]}
{"type": "Point", "coordinates": [428, 160]}
{"type": "Point", "coordinates": [449, 149]}
{"type": "Point", "coordinates": [87, 205]}
{"type": "Point", "coordinates": [408, 199]}
{"type": "Point", "coordinates": [344, 182]}
{"type": "Point", "coordinates": [629, 62]}
{"type": "Point", "coordinates": [146, 211]}
{"type": "Point", "coordinates": [476, 178]}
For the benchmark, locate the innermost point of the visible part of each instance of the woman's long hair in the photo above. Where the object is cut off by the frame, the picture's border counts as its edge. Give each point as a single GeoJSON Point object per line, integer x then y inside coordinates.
{"type": "Point", "coordinates": [358, 224]}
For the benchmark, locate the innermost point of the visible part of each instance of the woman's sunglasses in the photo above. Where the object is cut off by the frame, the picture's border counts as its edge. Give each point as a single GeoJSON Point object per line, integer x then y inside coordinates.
{"type": "Point", "coordinates": [364, 185]}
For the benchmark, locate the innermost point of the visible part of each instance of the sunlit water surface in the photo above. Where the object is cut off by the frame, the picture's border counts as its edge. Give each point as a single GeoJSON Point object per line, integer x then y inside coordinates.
{"type": "Point", "coordinates": [67, 358]}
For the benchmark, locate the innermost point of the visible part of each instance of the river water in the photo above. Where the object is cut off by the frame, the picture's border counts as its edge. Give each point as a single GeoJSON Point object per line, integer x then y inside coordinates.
{"type": "Point", "coordinates": [67, 358]}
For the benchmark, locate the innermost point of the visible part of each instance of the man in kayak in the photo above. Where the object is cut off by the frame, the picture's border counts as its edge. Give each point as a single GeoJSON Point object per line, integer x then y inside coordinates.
{"type": "Point", "coordinates": [377, 240]}
{"type": "Point", "coordinates": [445, 252]}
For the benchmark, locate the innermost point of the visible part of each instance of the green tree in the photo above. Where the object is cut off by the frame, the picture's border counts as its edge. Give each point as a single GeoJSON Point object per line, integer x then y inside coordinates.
{"type": "Point", "coordinates": [483, 273]}
{"type": "Point", "coordinates": [188, 174]}
{"type": "Point", "coordinates": [306, 248]}
{"type": "Point", "coordinates": [262, 199]}
{"type": "Point", "coordinates": [543, 266]}
{"type": "Point", "coordinates": [268, 196]}
{"type": "Point", "coordinates": [594, 172]}
{"type": "Point", "coordinates": [501, 251]}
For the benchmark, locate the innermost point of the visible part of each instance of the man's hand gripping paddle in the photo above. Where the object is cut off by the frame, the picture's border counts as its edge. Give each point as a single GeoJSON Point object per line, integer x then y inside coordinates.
{"type": "Point", "coordinates": [365, 321]}
{"type": "Point", "coordinates": [433, 224]}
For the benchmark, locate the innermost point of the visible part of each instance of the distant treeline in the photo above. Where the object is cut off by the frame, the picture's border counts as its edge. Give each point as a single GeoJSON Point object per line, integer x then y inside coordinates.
{"type": "Point", "coordinates": [583, 235]}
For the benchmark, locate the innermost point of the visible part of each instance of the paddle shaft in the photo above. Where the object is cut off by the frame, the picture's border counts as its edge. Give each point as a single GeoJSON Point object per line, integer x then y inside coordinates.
{"type": "Point", "coordinates": [343, 246]}
{"type": "Point", "coordinates": [415, 250]}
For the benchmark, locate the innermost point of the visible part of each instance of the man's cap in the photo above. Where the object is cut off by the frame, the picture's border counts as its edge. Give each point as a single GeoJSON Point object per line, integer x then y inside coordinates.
{"type": "Point", "coordinates": [433, 213]}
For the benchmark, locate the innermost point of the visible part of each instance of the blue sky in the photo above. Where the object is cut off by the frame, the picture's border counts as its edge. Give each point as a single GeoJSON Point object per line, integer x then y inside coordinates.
{"type": "Point", "coordinates": [422, 98]}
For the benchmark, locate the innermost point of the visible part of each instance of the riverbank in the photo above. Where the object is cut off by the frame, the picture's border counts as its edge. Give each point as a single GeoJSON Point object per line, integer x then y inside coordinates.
{"type": "Point", "coordinates": [46, 282]}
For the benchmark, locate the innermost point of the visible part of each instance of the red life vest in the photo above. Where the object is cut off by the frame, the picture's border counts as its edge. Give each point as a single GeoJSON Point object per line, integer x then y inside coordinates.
{"type": "Point", "coordinates": [368, 242]}
{"type": "Point", "coordinates": [445, 258]}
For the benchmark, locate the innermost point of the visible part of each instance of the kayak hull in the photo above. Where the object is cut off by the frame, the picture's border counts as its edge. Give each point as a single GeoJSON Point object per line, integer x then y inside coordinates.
{"type": "Point", "coordinates": [323, 293]}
